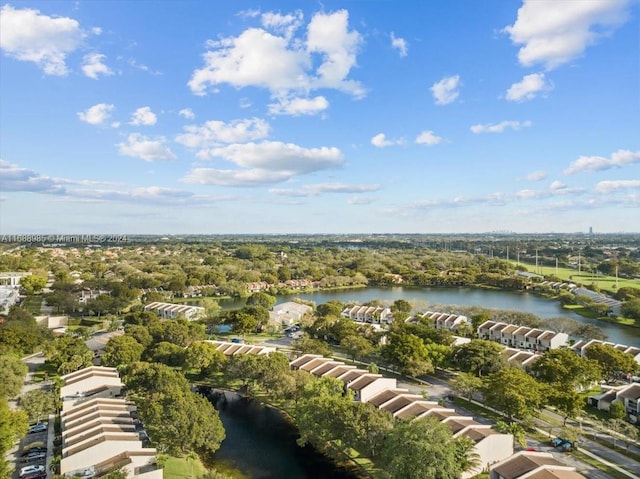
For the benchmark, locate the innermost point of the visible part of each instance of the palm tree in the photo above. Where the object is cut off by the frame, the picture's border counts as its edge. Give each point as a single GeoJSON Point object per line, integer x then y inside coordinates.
{"type": "Point", "coordinates": [467, 455]}
{"type": "Point", "coordinates": [191, 457]}
{"type": "Point", "coordinates": [515, 429]}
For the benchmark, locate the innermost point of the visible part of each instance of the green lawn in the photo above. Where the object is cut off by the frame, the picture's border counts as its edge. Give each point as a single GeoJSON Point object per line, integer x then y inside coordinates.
{"type": "Point", "coordinates": [608, 283]}
{"type": "Point", "coordinates": [181, 468]}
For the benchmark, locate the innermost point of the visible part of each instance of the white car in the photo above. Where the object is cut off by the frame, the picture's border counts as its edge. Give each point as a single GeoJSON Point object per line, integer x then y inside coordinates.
{"type": "Point", "coordinates": [29, 469]}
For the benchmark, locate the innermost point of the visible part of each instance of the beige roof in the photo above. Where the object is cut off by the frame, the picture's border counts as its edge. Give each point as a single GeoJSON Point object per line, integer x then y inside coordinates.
{"type": "Point", "coordinates": [519, 465]}
{"type": "Point", "coordinates": [556, 474]}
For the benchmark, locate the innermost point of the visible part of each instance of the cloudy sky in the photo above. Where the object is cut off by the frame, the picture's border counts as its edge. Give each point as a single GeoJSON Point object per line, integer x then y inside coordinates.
{"type": "Point", "coordinates": [319, 117]}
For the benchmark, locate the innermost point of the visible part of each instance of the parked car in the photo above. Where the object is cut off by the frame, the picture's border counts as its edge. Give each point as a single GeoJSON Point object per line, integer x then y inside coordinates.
{"type": "Point", "coordinates": [34, 456]}
{"type": "Point", "coordinates": [30, 470]}
{"type": "Point", "coordinates": [40, 427]}
{"type": "Point", "coordinates": [36, 475]}
{"type": "Point", "coordinates": [33, 450]}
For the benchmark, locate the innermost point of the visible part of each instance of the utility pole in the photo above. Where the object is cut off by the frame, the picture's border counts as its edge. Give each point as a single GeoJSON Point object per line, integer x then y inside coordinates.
{"type": "Point", "coordinates": [556, 266]}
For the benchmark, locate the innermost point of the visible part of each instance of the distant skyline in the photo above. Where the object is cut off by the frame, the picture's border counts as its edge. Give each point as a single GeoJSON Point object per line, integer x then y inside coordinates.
{"type": "Point", "coordinates": [191, 117]}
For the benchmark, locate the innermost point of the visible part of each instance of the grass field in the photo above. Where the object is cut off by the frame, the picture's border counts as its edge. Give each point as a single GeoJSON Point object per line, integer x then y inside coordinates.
{"type": "Point", "coordinates": [608, 283]}
{"type": "Point", "coordinates": [181, 468]}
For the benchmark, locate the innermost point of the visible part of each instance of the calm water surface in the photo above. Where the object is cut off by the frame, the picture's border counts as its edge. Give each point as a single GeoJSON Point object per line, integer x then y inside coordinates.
{"type": "Point", "coordinates": [261, 444]}
{"type": "Point", "coordinates": [424, 299]}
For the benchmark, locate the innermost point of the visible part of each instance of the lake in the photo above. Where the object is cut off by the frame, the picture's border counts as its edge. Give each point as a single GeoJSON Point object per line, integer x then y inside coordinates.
{"type": "Point", "coordinates": [423, 299]}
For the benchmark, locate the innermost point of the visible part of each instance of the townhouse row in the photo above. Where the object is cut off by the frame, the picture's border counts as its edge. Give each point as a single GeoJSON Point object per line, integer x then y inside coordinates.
{"type": "Point", "coordinates": [172, 311]}
{"type": "Point", "coordinates": [522, 337]}
{"type": "Point", "coordinates": [384, 393]}
{"type": "Point", "coordinates": [100, 429]}
{"type": "Point", "coordinates": [368, 314]}
{"type": "Point", "coordinates": [580, 347]}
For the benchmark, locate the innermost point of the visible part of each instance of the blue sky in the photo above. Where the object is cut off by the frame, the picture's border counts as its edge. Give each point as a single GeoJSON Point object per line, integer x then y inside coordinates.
{"type": "Point", "coordinates": [319, 117]}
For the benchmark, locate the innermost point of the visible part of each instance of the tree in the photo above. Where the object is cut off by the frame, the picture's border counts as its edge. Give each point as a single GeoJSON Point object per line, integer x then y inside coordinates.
{"type": "Point", "coordinates": [465, 385]}
{"type": "Point", "coordinates": [306, 345]}
{"type": "Point", "coordinates": [37, 404]}
{"type": "Point", "coordinates": [165, 353]}
{"type": "Point", "coordinates": [33, 284]}
{"type": "Point", "coordinates": [421, 449]}
{"type": "Point", "coordinates": [408, 353]}
{"type": "Point", "coordinates": [563, 369]}
{"type": "Point", "coordinates": [68, 354]}
{"type": "Point", "coordinates": [612, 361]}
{"type": "Point", "coordinates": [203, 357]}
{"type": "Point", "coordinates": [357, 347]}
{"type": "Point", "coordinates": [261, 299]}
{"type": "Point", "coordinates": [12, 373]}
{"type": "Point", "coordinates": [331, 308]}
{"type": "Point", "coordinates": [479, 357]}
{"type": "Point", "coordinates": [121, 350]}
{"type": "Point", "coordinates": [513, 392]}
{"type": "Point", "coordinates": [467, 454]}
{"type": "Point", "coordinates": [13, 425]}
{"type": "Point", "coordinates": [617, 410]}
{"type": "Point", "coordinates": [515, 429]}
{"type": "Point", "coordinates": [401, 306]}
{"type": "Point", "coordinates": [566, 400]}
{"type": "Point", "coordinates": [631, 309]}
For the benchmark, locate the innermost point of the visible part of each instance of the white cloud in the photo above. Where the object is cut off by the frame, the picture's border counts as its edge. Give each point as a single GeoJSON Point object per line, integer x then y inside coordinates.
{"type": "Point", "coordinates": [528, 88]}
{"type": "Point", "coordinates": [536, 176]}
{"type": "Point", "coordinates": [400, 44]}
{"type": "Point", "coordinates": [616, 185]}
{"type": "Point", "coordinates": [27, 35]}
{"type": "Point", "coordinates": [245, 178]}
{"type": "Point", "coordinates": [283, 24]}
{"type": "Point", "coordinates": [187, 113]}
{"type": "Point", "coordinates": [429, 138]}
{"type": "Point", "coordinates": [139, 146]}
{"type": "Point", "coordinates": [97, 114]}
{"type": "Point", "coordinates": [282, 63]}
{"type": "Point", "coordinates": [446, 91]}
{"type": "Point", "coordinates": [93, 65]}
{"type": "Point", "coordinates": [143, 116]}
{"type": "Point", "coordinates": [618, 159]}
{"type": "Point", "coordinates": [265, 163]}
{"type": "Point", "coordinates": [321, 188]}
{"type": "Point", "coordinates": [214, 133]}
{"type": "Point", "coordinates": [552, 33]}
{"type": "Point", "coordinates": [500, 127]}
{"type": "Point", "coordinates": [14, 178]}
{"type": "Point", "coordinates": [360, 200]}
{"type": "Point", "coordinates": [278, 156]}
{"type": "Point", "coordinates": [380, 141]}
{"type": "Point", "coordinates": [299, 106]}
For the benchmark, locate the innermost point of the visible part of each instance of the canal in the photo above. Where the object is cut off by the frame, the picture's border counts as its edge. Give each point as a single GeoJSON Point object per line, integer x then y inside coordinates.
{"type": "Point", "coordinates": [261, 443]}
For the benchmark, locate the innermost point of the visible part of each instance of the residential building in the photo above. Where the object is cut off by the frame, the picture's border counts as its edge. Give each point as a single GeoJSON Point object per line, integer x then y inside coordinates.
{"type": "Point", "coordinates": [172, 311]}
{"type": "Point", "coordinates": [533, 465]}
{"type": "Point", "coordinates": [628, 394]}
{"type": "Point", "coordinates": [368, 314]}
{"type": "Point", "coordinates": [613, 304]}
{"type": "Point", "coordinates": [231, 349]}
{"type": "Point", "coordinates": [384, 394]}
{"type": "Point", "coordinates": [580, 347]}
{"type": "Point", "coordinates": [446, 320]}
{"type": "Point", "coordinates": [288, 313]}
{"type": "Point", "coordinates": [522, 337]}
{"type": "Point", "coordinates": [102, 434]}
{"type": "Point", "coordinates": [89, 383]}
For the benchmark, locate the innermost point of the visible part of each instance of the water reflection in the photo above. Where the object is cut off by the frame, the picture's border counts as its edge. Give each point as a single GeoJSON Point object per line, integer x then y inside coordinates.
{"type": "Point", "coordinates": [261, 443]}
